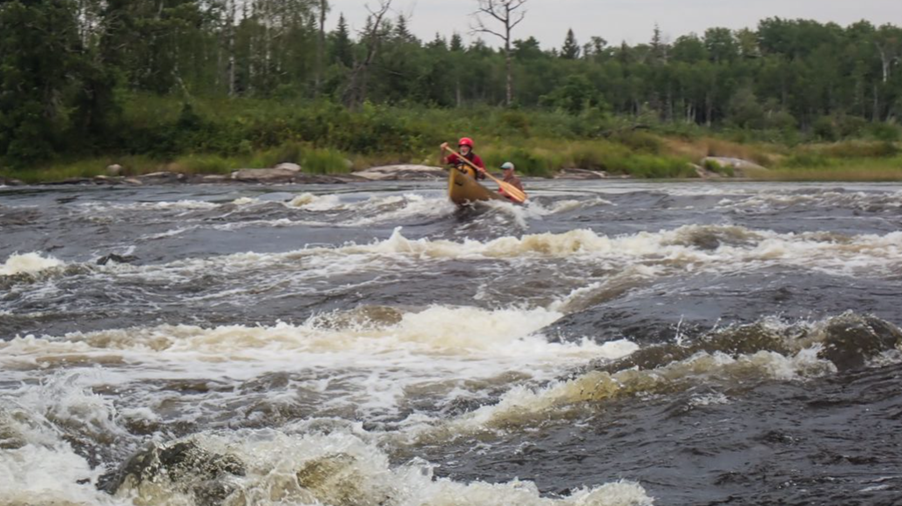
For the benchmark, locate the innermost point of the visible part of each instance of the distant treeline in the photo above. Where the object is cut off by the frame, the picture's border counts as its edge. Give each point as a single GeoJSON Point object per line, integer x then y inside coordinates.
{"type": "Point", "coordinates": [70, 68]}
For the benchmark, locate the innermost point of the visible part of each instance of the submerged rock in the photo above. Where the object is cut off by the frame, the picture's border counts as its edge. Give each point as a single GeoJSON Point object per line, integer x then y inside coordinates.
{"type": "Point", "coordinates": [851, 340]}
{"type": "Point", "coordinates": [119, 259]}
{"type": "Point", "coordinates": [186, 467]}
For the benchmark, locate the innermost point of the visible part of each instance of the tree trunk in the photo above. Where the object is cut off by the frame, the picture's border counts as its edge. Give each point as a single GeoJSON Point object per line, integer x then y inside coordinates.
{"type": "Point", "coordinates": [508, 66]}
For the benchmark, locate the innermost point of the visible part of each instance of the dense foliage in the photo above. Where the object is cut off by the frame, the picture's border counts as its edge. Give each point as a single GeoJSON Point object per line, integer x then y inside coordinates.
{"type": "Point", "coordinates": [75, 73]}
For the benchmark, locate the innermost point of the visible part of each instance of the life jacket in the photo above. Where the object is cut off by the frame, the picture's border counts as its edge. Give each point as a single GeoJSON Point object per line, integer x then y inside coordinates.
{"type": "Point", "coordinates": [466, 168]}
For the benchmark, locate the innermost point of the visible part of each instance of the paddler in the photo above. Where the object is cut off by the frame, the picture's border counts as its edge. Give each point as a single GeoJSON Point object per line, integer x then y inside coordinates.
{"type": "Point", "coordinates": [511, 179]}
{"type": "Point", "coordinates": [465, 146]}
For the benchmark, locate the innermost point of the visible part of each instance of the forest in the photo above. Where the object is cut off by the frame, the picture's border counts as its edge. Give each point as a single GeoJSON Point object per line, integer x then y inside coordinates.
{"type": "Point", "coordinates": [163, 79]}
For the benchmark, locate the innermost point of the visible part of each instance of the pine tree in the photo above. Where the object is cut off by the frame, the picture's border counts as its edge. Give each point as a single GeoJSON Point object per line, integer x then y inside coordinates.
{"type": "Point", "coordinates": [342, 48]}
{"type": "Point", "coordinates": [571, 48]}
{"type": "Point", "coordinates": [457, 42]}
{"type": "Point", "coordinates": [659, 48]}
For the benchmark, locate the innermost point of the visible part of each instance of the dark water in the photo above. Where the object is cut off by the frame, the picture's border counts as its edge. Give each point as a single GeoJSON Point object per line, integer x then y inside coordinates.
{"type": "Point", "coordinates": [608, 344]}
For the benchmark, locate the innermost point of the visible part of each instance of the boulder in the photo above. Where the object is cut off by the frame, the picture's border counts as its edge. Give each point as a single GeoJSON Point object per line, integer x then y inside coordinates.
{"type": "Point", "coordinates": [265, 175]}
{"type": "Point", "coordinates": [114, 170]}
{"type": "Point", "coordinates": [161, 177]}
{"type": "Point", "coordinates": [739, 165]}
{"type": "Point", "coordinates": [402, 173]}
{"type": "Point", "coordinates": [132, 181]}
{"type": "Point", "coordinates": [184, 466]}
{"type": "Point", "coordinates": [107, 180]}
{"type": "Point", "coordinates": [119, 259]}
{"type": "Point", "coordinates": [704, 173]}
{"type": "Point", "coordinates": [289, 166]}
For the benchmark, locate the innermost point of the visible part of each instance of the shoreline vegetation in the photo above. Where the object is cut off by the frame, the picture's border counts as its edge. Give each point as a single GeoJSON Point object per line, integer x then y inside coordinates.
{"type": "Point", "coordinates": [192, 87]}
{"type": "Point", "coordinates": [219, 137]}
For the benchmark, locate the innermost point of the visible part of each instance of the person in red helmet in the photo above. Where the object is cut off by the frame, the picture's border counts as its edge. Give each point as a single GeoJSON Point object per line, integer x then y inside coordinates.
{"type": "Point", "coordinates": [465, 146]}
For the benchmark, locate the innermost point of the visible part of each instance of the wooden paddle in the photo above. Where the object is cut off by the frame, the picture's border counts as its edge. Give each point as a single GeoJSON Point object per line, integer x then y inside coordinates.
{"type": "Point", "coordinates": [509, 189]}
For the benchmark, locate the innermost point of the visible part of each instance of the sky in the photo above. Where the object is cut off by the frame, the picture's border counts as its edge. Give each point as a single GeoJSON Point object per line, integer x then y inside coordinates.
{"type": "Point", "coordinates": [619, 20]}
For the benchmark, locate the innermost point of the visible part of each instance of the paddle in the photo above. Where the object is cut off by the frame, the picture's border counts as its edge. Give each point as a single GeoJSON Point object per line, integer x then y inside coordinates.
{"type": "Point", "coordinates": [511, 190]}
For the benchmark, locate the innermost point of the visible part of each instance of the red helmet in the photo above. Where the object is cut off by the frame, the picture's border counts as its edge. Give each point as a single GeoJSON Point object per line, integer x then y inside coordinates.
{"type": "Point", "coordinates": [466, 141]}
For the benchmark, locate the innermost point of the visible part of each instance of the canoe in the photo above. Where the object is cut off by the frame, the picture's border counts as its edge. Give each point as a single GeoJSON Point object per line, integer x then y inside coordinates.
{"type": "Point", "coordinates": [462, 189]}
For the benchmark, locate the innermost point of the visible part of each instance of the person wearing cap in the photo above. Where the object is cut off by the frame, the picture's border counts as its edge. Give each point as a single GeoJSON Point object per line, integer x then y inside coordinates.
{"type": "Point", "coordinates": [465, 146]}
{"type": "Point", "coordinates": [510, 177]}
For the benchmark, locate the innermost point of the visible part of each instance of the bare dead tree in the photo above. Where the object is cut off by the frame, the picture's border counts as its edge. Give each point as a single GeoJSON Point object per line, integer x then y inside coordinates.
{"type": "Point", "coordinates": [355, 93]}
{"type": "Point", "coordinates": [506, 13]}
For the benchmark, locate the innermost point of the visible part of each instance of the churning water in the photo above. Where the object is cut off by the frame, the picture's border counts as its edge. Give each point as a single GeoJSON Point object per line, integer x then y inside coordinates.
{"type": "Point", "coordinates": [607, 344]}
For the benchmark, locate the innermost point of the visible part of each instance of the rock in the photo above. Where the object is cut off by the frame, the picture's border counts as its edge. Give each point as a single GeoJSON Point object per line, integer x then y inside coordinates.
{"type": "Point", "coordinates": [289, 166]}
{"type": "Point", "coordinates": [114, 170]}
{"type": "Point", "coordinates": [107, 180]}
{"type": "Point", "coordinates": [71, 181]}
{"type": "Point", "coordinates": [704, 173]}
{"type": "Point", "coordinates": [852, 340]}
{"type": "Point", "coordinates": [581, 174]}
{"type": "Point", "coordinates": [737, 164]}
{"type": "Point", "coordinates": [132, 181]}
{"type": "Point", "coordinates": [119, 259]}
{"type": "Point", "coordinates": [265, 175]}
{"type": "Point", "coordinates": [402, 173]}
{"type": "Point", "coordinates": [214, 179]}
{"type": "Point", "coordinates": [161, 177]}
{"type": "Point", "coordinates": [349, 164]}
{"type": "Point", "coordinates": [10, 182]}
{"type": "Point", "coordinates": [187, 467]}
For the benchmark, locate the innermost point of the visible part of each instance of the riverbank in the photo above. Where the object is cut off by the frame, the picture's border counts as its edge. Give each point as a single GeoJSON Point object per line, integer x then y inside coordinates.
{"type": "Point", "coordinates": [216, 138]}
{"type": "Point", "coordinates": [851, 161]}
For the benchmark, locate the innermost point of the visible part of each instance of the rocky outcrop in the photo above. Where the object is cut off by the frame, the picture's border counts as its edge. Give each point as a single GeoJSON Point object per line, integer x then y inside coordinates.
{"type": "Point", "coordinates": [737, 164]}
{"type": "Point", "coordinates": [289, 166]}
{"type": "Point", "coordinates": [114, 170]}
{"type": "Point", "coordinates": [265, 175]}
{"type": "Point", "coordinates": [402, 173]}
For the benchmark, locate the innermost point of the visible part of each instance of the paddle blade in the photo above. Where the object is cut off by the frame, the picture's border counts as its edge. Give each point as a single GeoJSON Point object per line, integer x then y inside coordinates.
{"type": "Point", "coordinates": [512, 192]}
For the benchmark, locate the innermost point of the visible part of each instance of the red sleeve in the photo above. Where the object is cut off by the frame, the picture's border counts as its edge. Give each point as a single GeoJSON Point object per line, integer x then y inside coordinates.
{"type": "Point", "coordinates": [451, 159]}
{"type": "Point", "coordinates": [478, 162]}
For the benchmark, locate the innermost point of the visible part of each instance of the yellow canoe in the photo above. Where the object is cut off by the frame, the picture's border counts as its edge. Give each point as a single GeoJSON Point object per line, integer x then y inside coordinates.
{"type": "Point", "coordinates": [462, 189]}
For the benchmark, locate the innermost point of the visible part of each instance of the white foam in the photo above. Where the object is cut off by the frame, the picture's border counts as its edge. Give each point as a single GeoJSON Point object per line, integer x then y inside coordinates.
{"type": "Point", "coordinates": [341, 468]}
{"type": "Point", "coordinates": [522, 404]}
{"type": "Point", "coordinates": [311, 202]}
{"type": "Point", "coordinates": [372, 366]}
{"type": "Point", "coordinates": [28, 263]}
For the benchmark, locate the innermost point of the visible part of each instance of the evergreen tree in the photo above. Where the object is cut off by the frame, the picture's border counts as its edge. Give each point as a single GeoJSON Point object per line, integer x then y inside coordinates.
{"type": "Point", "coordinates": [571, 49]}
{"type": "Point", "coordinates": [342, 48]}
{"type": "Point", "coordinates": [457, 42]}
{"type": "Point", "coordinates": [48, 83]}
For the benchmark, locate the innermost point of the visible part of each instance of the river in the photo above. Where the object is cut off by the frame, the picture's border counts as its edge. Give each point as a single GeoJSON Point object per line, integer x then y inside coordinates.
{"type": "Point", "coordinates": [610, 343]}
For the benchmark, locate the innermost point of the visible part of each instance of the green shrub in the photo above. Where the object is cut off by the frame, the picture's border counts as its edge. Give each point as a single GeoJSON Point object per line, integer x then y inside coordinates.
{"type": "Point", "coordinates": [325, 161]}
{"type": "Point", "coordinates": [885, 132]}
{"type": "Point", "coordinates": [713, 166]}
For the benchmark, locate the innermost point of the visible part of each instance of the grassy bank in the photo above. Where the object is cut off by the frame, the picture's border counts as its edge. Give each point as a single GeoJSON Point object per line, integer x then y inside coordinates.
{"type": "Point", "coordinates": [218, 136]}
